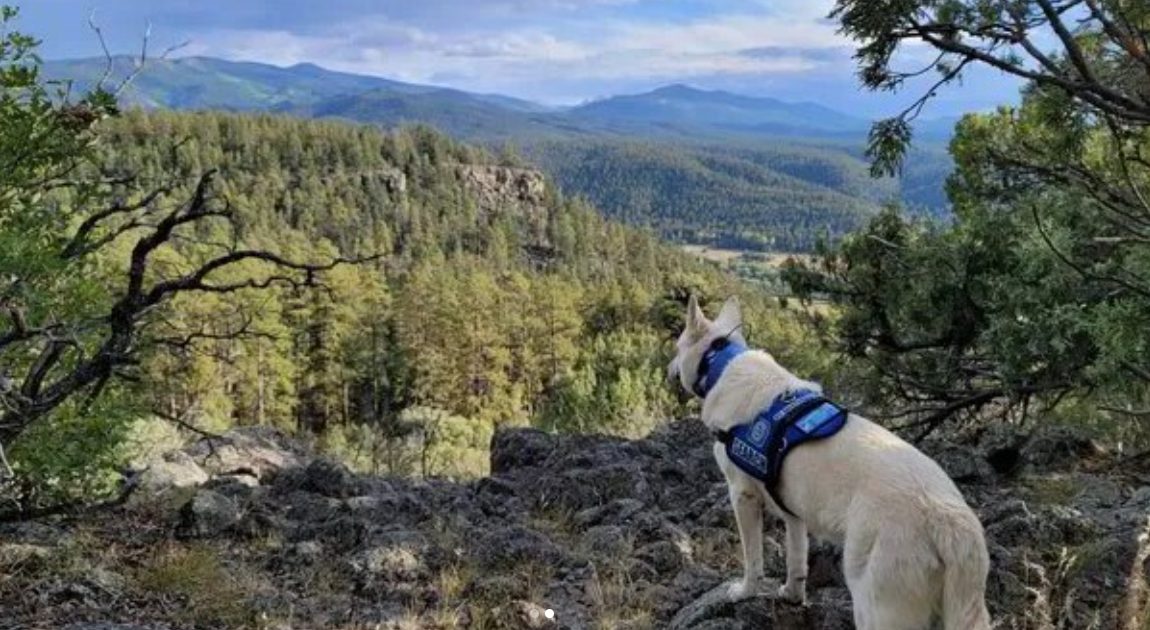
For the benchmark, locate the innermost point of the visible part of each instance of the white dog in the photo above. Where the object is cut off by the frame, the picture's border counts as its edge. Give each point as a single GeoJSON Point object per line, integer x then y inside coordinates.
{"type": "Point", "coordinates": [913, 551]}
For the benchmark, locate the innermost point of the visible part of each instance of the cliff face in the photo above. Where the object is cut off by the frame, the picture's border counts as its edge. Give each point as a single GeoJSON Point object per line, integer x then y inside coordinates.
{"type": "Point", "coordinates": [494, 186]}
{"type": "Point", "coordinates": [522, 193]}
{"type": "Point", "coordinates": [252, 531]}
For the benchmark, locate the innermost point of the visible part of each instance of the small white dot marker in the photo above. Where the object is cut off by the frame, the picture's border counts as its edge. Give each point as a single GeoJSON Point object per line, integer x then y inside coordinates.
{"type": "Point", "coordinates": [550, 614]}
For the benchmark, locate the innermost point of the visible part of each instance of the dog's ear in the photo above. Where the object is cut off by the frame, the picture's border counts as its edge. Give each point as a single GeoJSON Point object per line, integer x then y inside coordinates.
{"type": "Point", "coordinates": [696, 320]}
{"type": "Point", "coordinates": [731, 317]}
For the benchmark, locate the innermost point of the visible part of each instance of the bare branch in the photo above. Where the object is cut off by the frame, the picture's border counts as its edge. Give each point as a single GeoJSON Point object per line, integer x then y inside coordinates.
{"type": "Point", "coordinates": [80, 246]}
{"type": "Point", "coordinates": [140, 62]}
{"type": "Point", "coordinates": [141, 293]}
{"type": "Point", "coordinates": [1132, 40]}
{"type": "Point", "coordinates": [1101, 97]}
{"type": "Point", "coordinates": [1069, 43]}
{"type": "Point", "coordinates": [108, 59]}
{"type": "Point", "coordinates": [183, 423]}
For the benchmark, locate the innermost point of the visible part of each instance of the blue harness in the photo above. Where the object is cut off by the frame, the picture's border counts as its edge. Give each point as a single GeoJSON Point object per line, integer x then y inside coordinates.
{"type": "Point", "coordinates": [795, 417]}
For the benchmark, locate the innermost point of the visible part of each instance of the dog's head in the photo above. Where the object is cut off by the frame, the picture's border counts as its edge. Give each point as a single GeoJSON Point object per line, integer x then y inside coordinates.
{"type": "Point", "coordinates": [698, 334]}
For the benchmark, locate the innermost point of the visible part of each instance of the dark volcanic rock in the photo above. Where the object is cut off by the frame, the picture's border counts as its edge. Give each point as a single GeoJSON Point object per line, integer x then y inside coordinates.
{"type": "Point", "coordinates": [105, 626]}
{"type": "Point", "coordinates": [964, 464]}
{"type": "Point", "coordinates": [828, 610]}
{"type": "Point", "coordinates": [209, 513]}
{"type": "Point", "coordinates": [330, 478]}
{"type": "Point", "coordinates": [525, 448]}
{"type": "Point", "coordinates": [604, 531]}
{"type": "Point", "coordinates": [508, 547]}
{"type": "Point", "coordinates": [1059, 448]}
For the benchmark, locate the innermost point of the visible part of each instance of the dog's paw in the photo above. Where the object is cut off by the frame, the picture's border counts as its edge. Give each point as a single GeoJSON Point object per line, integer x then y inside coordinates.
{"type": "Point", "coordinates": [742, 589]}
{"type": "Point", "coordinates": [794, 592]}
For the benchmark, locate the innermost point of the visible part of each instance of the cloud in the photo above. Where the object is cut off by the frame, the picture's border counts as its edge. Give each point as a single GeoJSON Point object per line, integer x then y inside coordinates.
{"type": "Point", "coordinates": [730, 33]}
{"type": "Point", "coordinates": [815, 55]}
{"type": "Point", "coordinates": [576, 44]}
{"type": "Point", "coordinates": [524, 45]}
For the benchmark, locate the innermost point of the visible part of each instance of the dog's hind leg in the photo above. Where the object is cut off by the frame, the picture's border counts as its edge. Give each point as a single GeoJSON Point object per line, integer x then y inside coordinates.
{"type": "Point", "coordinates": [899, 585]}
{"type": "Point", "coordinates": [856, 556]}
{"type": "Point", "coordinates": [749, 506]}
{"type": "Point", "coordinates": [795, 590]}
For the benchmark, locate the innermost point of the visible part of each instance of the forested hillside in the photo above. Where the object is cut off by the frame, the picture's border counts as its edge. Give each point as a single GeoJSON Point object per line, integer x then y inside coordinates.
{"type": "Point", "coordinates": [720, 196]}
{"type": "Point", "coordinates": [688, 108]}
{"type": "Point", "coordinates": [494, 300]}
{"type": "Point", "coordinates": [708, 167]}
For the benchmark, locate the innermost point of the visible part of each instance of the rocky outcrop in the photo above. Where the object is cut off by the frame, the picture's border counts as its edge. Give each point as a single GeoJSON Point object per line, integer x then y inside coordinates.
{"type": "Point", "coordinates": [606, 533]}
{"type": "Point", "coordinates": [518, 194]}
{"type": "Point", "coordinates": [246, 455]}
{"type": "Point", "coordinates": [495, 186]}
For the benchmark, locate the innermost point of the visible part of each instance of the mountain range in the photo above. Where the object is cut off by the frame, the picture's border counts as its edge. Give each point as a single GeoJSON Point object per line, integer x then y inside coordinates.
{"type": "Point", "coordinates": [663, 158]}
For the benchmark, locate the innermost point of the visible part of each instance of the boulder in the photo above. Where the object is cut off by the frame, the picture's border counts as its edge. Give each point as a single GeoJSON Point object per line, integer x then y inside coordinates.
{"type": "Point", "coordinates": [505, 548]}
{"type": "Point", "coordinates": [582, 488]}
{"type": "Point", "coordinates": [1001, 445]}
{"type": "Point", "coordinates": [208, 514]}
{"type": "Point", "coordinates": [614, 513]}
{"type": "Point", "coordinates": [964, 464]}
{"type": "Point", "coordinates": [257, 451]}
{"type": "Point", "coordinates": [169, 478]}
{"type": "Point", "coordinates": [513, 449]}
{"type": "Point", "coordinates": [1059, 448]}
{"type": "Point", "coordinates": [664, 557]}
{"type": "Point", "coordinates": [330, 479]}
{"type": "Point", "coordinates": [606, 541]}
{"type": "Point", "coordinates": [388, 563]}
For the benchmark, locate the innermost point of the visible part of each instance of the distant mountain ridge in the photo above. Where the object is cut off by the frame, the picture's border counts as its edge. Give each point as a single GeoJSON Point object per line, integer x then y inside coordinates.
{"type": "Point", "coordinates": [207, 83]}
{"type": "Point", "coordinates": [308, 89]}
{"type": "Point", "coordinates": [693, 164]}
{"type": "Point", "coordinates": [684, 105]}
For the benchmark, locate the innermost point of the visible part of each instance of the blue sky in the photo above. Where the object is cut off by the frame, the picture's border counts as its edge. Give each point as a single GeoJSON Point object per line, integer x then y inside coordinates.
{"type": "Point", "coordinates": [555, 51]}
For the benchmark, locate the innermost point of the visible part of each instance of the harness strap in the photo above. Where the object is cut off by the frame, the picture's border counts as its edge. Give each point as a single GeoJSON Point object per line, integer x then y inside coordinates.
{"type": "Point", "coordinates": [779, 437]}
{"type": "Point", "coordinates": [777, 446]}
{"type": "Point", "coordinates": [724, 438]}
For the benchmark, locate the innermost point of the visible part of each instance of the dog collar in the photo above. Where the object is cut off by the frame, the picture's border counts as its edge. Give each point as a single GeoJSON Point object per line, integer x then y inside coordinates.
{"type": "Point", "coordinates": [714, 362]}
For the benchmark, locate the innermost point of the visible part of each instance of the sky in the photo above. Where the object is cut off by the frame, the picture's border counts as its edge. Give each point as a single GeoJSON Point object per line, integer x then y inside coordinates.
{"type": "Point", "coordinates": [551, 51]}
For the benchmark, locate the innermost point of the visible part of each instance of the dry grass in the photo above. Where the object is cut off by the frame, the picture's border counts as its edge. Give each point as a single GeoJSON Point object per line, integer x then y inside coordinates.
{"type": "Point", "coordinates": [719, 551]}
{"type": "Point", "coordinates": [768, 260]}
{"type": "Point", "coordinates": [713, 254]}
{"type": "Point", "coordinates": [1053, 489]}
{"type": "Point", "coordinates": [204, 590]}
{"type": "Point", "coordinates": [557, 524]}
{"type": "Point", "coordinates": [466, 602]}
{"type": "Point", "coordinates": [615, 600]}
{"type": "Point", "coordinates": [1136, 613]}
{"type": "Point", "coordinates": [1052, 599]}
{"type": "Point", "coordinates": [451, 584]}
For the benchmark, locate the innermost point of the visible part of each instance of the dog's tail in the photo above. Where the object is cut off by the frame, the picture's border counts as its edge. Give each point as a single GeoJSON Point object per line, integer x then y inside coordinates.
{"type": "Point", "coordinates": [966, 563]}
